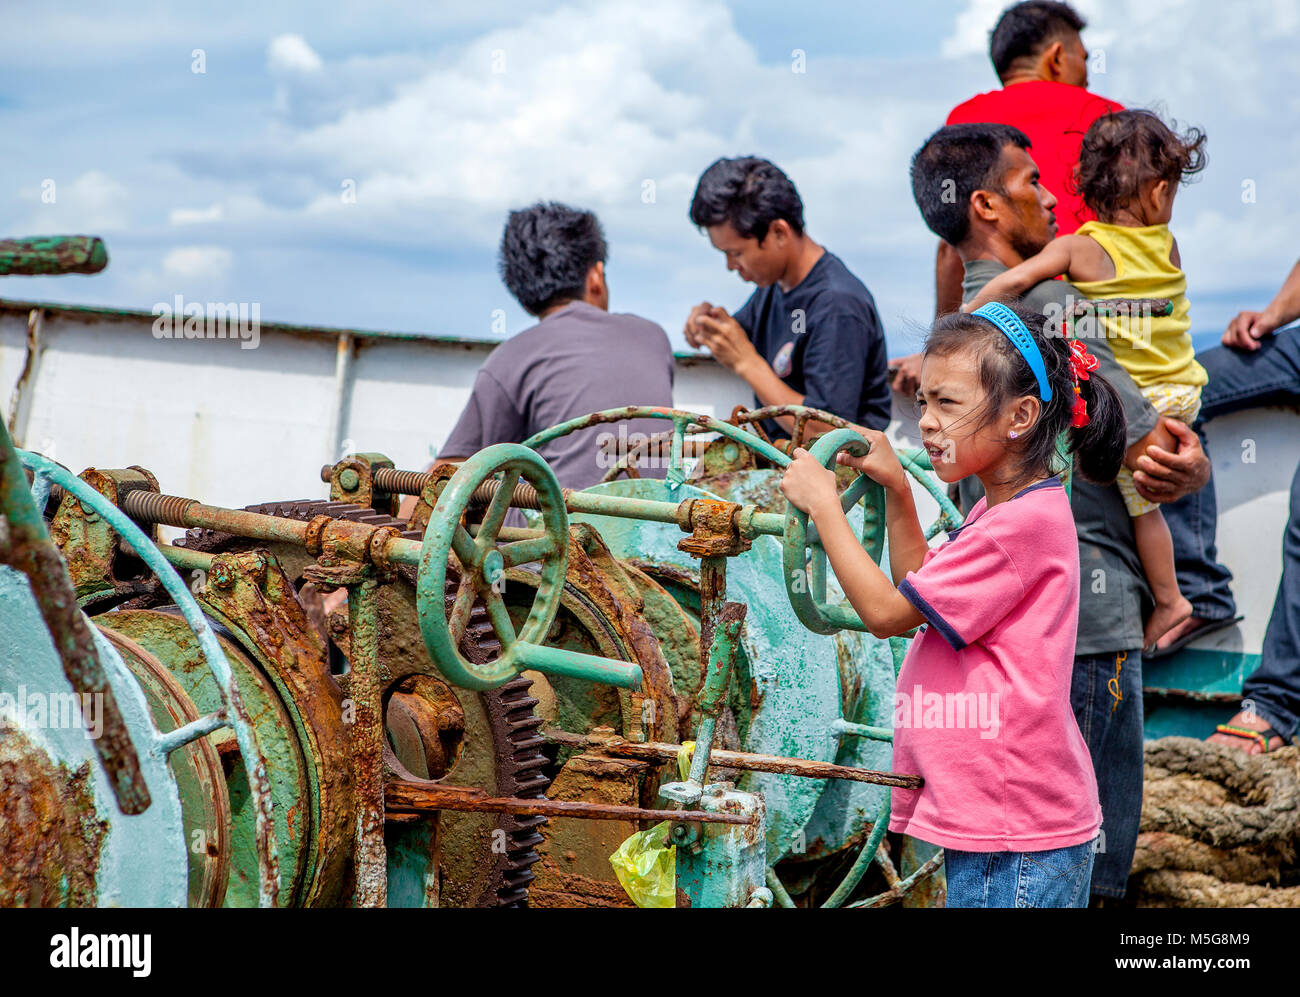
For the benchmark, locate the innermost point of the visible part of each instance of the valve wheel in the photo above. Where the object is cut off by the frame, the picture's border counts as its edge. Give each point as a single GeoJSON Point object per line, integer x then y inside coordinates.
{"type": "Point", "coordinates": [483, 564]}
{"type": "Point", "coordinates": [804, 558]}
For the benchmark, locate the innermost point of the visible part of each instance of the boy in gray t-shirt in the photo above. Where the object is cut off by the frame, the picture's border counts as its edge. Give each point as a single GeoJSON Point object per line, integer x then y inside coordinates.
{"type": "Point", "coordinates": [579, 358]}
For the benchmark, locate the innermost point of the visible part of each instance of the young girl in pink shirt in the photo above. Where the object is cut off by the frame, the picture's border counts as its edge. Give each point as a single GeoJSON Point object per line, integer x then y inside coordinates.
{"type": "Point", "coordinates": [983, 704]}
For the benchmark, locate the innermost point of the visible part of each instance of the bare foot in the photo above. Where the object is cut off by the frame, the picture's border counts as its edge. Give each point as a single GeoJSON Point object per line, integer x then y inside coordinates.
{"type": "Point", "coordinates": [1164, 617]}
{"type": "Point", "coordinates": [1171, 635]}
{"type": "Point", "coordinates": [1250, 721]}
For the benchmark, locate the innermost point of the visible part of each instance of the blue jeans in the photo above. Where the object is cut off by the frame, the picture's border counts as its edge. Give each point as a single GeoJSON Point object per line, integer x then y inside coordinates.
{"type": "Point", "coordinates": [1057, 877]}
{"type": "Point", "coordinates": [1242, 380]}
{"type": "Point", "coordinates": [1106, 695]}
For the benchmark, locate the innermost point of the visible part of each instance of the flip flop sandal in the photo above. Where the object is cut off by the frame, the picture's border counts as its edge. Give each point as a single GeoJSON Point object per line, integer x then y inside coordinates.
{"type": "Point", "coordinates": [1260, 737]}
{"type": "Point", "coordinates": [1205, 627]}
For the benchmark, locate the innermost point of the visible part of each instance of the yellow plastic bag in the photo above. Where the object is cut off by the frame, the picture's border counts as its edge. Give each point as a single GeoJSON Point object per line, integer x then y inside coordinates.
{"type": "Point", "coordinates": [645, 864]}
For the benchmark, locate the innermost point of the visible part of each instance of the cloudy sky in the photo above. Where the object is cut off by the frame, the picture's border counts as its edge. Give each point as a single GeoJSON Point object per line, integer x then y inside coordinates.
{"type": "Point", "coordinates": [351, 164]}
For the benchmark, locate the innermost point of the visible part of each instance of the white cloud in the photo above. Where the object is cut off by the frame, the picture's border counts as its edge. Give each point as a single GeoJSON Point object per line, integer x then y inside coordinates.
{"type": "Point", "coordinates": [291, 53]}
{"type": "Point", "coordinates": [970, 33]}
{"type": "Point", "coordinates": [208, 263]}
{"type": "Point", "coordinates": [192, 216]}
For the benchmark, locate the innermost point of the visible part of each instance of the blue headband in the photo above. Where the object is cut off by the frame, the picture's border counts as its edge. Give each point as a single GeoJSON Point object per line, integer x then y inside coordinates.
{"type": "Point", "coordinates": [1009, 322]}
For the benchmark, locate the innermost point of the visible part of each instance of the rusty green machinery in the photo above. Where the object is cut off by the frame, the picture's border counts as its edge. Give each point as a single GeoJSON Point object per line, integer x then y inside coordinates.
{"type": "Point", "coordinates": [805, 683]}
{"type": "Point", "coordinates": [408, 762]}
{"type": "Point", "coordinates": [76, 829]}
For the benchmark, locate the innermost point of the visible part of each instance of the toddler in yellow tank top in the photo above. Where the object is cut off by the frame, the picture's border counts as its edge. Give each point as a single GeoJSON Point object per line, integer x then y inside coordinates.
{"type": "Point", "coordinates": [1130, 165]}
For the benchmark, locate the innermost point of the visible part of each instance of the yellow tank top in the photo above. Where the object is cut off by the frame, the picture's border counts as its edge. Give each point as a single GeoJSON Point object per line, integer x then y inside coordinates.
{"type": "Point", "coordinates": [1154, 350]}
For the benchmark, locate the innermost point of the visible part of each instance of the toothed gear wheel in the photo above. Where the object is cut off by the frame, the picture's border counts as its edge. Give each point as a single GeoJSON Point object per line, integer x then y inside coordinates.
{"type": "Point", "coordinates": [516, 742]}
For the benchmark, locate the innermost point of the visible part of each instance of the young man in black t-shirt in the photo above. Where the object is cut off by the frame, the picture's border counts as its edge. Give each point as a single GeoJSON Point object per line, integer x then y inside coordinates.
{"type": "Point", "coordinates": [809, 335]}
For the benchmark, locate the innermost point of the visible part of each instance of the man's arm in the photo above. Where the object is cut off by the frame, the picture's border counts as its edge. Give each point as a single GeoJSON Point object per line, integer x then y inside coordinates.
{"type": "Point", "coordinates": [490, 416]}
{"type": "Point", "coordinates": [732, 348]}
{"type": "Point", "coordinates": [1163, 475]}
{"type": "Point", "coordinates": [948, 273]}
{"type": "Point", "coordinates": [1247, 328]}
{"type": "Point", "coordinates": [840, 349]}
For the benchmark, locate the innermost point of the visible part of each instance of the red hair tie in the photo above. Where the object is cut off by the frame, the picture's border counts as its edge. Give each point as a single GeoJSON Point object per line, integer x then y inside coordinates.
{"type": "Point", "coordinates": [1081, 364]}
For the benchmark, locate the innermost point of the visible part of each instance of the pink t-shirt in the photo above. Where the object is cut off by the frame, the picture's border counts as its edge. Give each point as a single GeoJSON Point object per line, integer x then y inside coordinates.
{"type": "Point", "coordinates": [982, 710]}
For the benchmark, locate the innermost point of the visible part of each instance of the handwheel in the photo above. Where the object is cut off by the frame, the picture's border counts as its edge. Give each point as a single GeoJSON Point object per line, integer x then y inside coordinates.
{"type": "Point", "coordinates": [483, 564]}
{"type": "Point", "coordinates": [805, 576]}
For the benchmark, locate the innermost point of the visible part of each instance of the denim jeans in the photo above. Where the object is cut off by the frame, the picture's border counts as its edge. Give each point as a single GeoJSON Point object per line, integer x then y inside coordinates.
{"type": "Point", "coordinates": [1242, 380]}
{"type": "Point", "coordinates": [1057, 877]}
{"type": "Point", "coordinates": [1106, 695]}
{"type": "Point", "coordinates": [1238, 380]}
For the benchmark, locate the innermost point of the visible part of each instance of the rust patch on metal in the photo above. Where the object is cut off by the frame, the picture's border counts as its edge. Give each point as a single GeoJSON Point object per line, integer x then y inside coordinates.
{"type": "Point", "coordinates": [714, 532]}
{"type": "Point", "coordinates": [50, 834]}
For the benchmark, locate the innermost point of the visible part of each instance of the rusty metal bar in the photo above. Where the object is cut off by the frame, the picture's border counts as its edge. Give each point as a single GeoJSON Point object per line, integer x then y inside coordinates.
{"type": "Point", "coordinates": [172, 510]}
{"type": "Point", "coordinates": [20, 401]}
{"type": "Point", "coordinates": [656, 751]}
{"type": "Point", "coordinates": [898, 891]}
{"type": "Point", "coordinates": [186, 559]}
{"type": "Point", "coordinates": [720, 623]}
{"type": "Point", "coordinates": [366, 740]}
{"type": "Point", "coordinates": [405, 796]}
{"type": "Point", "coordinates": [53, 254]}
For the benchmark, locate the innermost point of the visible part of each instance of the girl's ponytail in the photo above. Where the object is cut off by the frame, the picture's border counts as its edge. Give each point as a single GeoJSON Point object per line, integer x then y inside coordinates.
{"type": "Point", "coordinates": [1099, 446]}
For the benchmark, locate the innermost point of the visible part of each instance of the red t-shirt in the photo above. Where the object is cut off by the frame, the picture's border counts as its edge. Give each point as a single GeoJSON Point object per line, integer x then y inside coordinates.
{"type": "Point", "coordinates": [1054, 116]}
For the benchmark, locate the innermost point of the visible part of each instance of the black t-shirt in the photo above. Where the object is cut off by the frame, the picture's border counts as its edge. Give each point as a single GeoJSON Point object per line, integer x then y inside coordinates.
{"type": "Point", "coordinates": [824, 339]}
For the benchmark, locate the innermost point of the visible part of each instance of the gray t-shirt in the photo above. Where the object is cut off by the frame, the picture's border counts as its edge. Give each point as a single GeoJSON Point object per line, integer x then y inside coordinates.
{"type": "Point", "coordinates": [1114, 597]}
{"type": "Point", "coordinates": [577, 360]}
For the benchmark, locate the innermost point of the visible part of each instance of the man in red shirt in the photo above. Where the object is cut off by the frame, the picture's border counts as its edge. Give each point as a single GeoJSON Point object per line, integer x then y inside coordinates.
{"type": "Point", "coordinates": [1039, 56]}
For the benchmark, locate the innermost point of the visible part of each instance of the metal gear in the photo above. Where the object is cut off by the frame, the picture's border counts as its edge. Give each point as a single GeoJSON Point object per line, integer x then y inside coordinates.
{"type": "Point", "coordinates": [516, 744]}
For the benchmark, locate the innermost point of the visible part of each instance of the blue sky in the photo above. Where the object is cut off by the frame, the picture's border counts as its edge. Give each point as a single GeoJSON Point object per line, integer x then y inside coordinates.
{"type": "Point", "coordinates": [229, 184]}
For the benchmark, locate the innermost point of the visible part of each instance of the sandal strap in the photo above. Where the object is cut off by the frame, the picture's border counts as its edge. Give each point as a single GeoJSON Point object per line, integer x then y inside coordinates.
{"type": "Point", "coordinates": [1260, 737]}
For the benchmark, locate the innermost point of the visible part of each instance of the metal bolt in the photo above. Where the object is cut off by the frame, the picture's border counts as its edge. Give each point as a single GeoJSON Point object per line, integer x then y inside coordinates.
{"type": "Point", "coordinates": [221, 576]}
{"type": "Point", "coordinates": [349, 479]}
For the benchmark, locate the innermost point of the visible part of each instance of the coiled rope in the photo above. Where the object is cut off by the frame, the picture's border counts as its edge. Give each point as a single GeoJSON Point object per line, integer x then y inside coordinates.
{"type": "Point", "coordinates": [1220, 828]}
